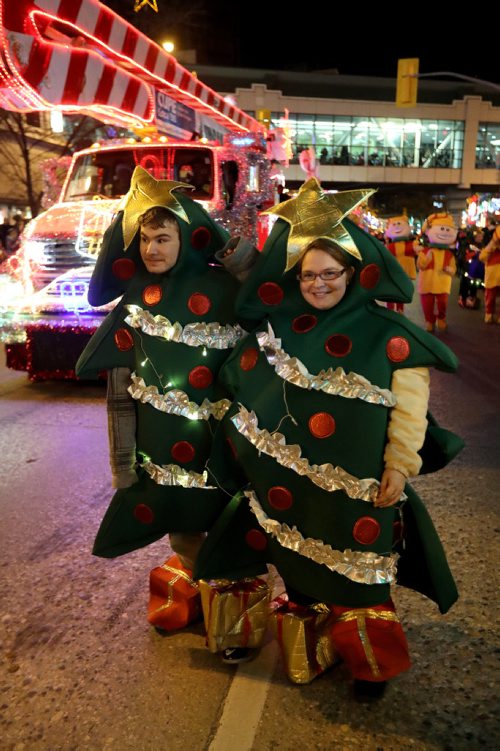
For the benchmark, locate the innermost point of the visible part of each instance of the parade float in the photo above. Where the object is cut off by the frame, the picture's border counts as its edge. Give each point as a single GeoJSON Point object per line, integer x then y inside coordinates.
{"type": "Point", "coordinates": [81, 57]}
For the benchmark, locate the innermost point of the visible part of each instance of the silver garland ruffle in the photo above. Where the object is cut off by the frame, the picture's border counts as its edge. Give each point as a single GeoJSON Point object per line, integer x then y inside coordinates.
{"type": "Point", "coordinates": [172, 474]}
{"type": "Point", "coordinates": [176, 402]}
{"type": "Point", "coordinates": [336, 382]}
{"type": "Point", "coordinates": [324, 476]}
{"type": "Point", "coordinates": [360, 567]}
{"type": "Point", "coordinates": [212, 335]}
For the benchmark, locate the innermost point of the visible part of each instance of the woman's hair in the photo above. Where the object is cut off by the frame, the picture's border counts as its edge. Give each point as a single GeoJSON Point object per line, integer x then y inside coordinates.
{"type": "Point", "coordinates": [333, 250]}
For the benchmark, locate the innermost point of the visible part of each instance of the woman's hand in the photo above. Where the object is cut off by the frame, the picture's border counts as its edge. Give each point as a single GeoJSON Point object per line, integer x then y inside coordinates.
{"type": "Point", "coordinates": [391, 487]}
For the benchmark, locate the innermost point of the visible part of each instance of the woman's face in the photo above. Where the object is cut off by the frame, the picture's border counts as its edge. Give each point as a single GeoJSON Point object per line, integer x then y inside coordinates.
{"type": "Point", "coordinates": [322, 294]}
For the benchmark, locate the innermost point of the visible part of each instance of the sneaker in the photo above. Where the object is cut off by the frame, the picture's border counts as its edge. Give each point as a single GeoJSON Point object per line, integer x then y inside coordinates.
{"type": "Point", "coordinates": [470, 302]}
{"type": "Point", "coordinates": [367, 691]}
{"type": "Point", "coordinates": [235, 655]}
{"type": "Point", "coordinates": [441, 324]}
{"type": "Point", "coordinates": [461, 302]}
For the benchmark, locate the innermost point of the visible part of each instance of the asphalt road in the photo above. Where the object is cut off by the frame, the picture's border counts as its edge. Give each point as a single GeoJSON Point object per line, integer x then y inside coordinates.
{"type": "Point", "coordinates": [82, 670]}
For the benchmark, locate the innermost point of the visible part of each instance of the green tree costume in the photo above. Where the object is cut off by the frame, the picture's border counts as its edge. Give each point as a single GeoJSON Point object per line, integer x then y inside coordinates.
{"type": "Point", "coordinates": [308, 426]}
{"type": "Point", "coordinates": [173, 331]}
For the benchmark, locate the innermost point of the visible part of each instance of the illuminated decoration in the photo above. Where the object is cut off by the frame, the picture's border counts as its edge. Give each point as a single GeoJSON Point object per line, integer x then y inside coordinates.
{"type": "Point", "coordinates": [315, 214]}
{"type": "Point", "coordinates": [88, 59]}
{"type": "Point", "coordinates": [141, 3]}
{"type": "Point", "coordinates": [53, 171]}
{"type": "Point", "coordinates": [245, 197]}
{"type": "Point", "coordinates": [481, 209]}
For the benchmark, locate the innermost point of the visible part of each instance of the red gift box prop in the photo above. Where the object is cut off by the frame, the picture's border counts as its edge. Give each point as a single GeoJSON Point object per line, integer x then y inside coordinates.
{"type": "Point", "coordinates": [174, 598]}
{"type": "Point", "coordinates": [370, 641]}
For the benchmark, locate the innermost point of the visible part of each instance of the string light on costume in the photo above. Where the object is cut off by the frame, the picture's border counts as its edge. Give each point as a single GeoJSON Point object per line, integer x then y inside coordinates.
{"type": "Point", "coordinates": [204, 352]}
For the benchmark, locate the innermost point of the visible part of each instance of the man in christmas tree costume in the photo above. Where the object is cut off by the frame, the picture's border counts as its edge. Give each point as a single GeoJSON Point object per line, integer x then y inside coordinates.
{"type": "Point", "coordinates": [437, 267]}
{"type": "Point", "coordinates": [401, 244]}
{"type": "Point", "coordinates": [162, 346]}
{"type": "Point", "coordinates": [328, 400]}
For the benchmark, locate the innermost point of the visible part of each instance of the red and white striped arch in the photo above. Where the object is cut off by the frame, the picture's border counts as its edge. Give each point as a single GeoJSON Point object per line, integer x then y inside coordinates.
{"type": "Point", "coordinates": [78, 55]}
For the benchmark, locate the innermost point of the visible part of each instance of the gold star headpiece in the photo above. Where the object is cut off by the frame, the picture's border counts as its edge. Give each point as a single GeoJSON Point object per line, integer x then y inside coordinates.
{"type": "Point", "coordinates": [146, 192]}
{"type": "Point", "coordinates": [314, 214]}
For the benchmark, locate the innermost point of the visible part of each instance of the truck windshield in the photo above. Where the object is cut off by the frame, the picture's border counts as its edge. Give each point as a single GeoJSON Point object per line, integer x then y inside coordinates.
{"type": "Point", "coordinates": [107, 173]}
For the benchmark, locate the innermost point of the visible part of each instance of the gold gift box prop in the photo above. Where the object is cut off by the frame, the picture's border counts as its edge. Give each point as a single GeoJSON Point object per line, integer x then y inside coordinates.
{"type": "Point", "coordinates": [303, 634]}
{"type": "Point", "coordinates": [236, 614]}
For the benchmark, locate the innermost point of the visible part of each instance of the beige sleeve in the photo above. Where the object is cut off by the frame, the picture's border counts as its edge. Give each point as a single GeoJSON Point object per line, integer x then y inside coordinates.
{"type": "Point", "coordinates": [408, 422]}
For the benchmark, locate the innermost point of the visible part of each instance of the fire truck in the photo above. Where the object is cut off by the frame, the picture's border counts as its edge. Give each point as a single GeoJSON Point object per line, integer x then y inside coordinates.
{"type": "Point", "coordinates": [72, 62]}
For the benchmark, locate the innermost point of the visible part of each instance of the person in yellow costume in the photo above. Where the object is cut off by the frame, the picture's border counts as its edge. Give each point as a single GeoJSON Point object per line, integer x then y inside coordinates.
{"type": "Point", "coordinates": [490, 256]}
{"type": "Point", "coordinates": [437, 266]}
{"type": "Point", "coordinates": [402, 245]}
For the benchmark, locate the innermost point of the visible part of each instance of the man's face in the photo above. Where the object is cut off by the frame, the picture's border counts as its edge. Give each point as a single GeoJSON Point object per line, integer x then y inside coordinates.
{"type": "Point", "coordinates": [160, 247]}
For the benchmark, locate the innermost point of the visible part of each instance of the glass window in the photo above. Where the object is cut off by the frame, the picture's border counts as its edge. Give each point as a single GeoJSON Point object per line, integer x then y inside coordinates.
{"type": "Point", "coordinates": [390, 142]}
{"type": "Point", "coordinates": [488, 146]}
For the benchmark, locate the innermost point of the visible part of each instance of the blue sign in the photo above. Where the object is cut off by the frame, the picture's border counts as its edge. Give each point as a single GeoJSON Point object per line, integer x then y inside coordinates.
{"type": "Point", "coordinates": [174, 118]}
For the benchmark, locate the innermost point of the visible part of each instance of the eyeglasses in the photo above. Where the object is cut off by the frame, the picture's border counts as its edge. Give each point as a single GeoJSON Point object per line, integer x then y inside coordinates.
{"type": "Point", "coordinates": [325, 276]}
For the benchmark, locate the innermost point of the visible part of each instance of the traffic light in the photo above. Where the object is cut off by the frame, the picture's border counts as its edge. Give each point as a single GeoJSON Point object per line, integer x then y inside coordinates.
{"type": "Point", "coordinates": [264, 117]}
{"type": "Point", "coordinates": [407, 83]}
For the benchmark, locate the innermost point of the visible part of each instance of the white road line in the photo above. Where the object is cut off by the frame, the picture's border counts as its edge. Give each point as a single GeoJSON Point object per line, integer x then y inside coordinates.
{"type": "Point", "coordinates": [245, 702]}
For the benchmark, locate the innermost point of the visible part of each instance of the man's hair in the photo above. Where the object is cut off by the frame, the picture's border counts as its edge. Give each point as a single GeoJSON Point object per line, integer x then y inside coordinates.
{"type": "Point", "coordinates": [158, 216]}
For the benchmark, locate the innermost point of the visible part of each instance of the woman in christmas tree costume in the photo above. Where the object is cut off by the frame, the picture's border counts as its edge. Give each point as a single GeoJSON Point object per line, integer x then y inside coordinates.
{"type": "Point", "coordinates": [330, 396]}
{"type": "Point", "coordinates": [162, 347]}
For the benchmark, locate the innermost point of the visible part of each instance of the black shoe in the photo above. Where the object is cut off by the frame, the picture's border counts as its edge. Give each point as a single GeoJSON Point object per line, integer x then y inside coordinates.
{"type": "Point", "coordinates": [369, 690]}
{"type": "Point", "coordinates": [235, 655]}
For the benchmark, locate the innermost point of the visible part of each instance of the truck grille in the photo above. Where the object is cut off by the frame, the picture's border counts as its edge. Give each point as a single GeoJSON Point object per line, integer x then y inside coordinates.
{"type": "Point", "coordinates": [57, 258]}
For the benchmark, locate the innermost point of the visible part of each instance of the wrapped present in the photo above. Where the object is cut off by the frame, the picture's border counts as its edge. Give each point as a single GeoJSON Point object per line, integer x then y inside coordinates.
{"type": "Point", "coordinates": [370, 641]}
{"type": "Point", "coordinates": [303, 634]}
{"type": "Point", "coordinates": [174, 598]}
{"type": "Point", "coordinates": [236, 613]}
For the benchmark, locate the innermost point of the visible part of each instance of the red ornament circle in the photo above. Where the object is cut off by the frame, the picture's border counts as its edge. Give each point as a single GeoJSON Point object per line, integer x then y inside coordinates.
{"type": "Point", "coordinates": [398, 348]}
{"type": "Point", "coordinates": [248, 359]}
{"type": "Point", "coordinates": [199, 304]}
{"type": "Point", "coordinates": [279, 498]}
{"type": "Point", "coordinates": [270, 293]}
{"type": "Point", "coordinates": [304, 323]}
{"type": "Point", "coordinates": [143, 513]}
{"type": "Point", "coordinates": [366, 530]}
{"type": "Point", "coordinates": [338, 345]}
{"type": "Point", "coordinates": [183, 452]}
{"type": "Point", "coordinates": [200, 238]}
{"type": "Point", "coordinates": [200, 377]}
{"type": "Point", "coordinates": [370, 276]}
{"type": "Point", "coordinates": [124, 340]}
{"type": "Point", "coordinates": [152, 294]}
{"type": "Point", "coordinates": [256, 539]}
{"type": "Point", "coordinates": [321, 425]}
{"type": "Point", "coordinates": [123, 268]}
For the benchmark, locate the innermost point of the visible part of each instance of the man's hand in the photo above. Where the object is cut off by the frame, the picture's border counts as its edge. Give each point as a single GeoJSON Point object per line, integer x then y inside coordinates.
{"type": "Point", "coordinates": [391, 487]}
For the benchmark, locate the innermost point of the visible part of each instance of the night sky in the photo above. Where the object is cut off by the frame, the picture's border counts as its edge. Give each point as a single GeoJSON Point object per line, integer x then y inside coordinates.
{"type": "Point", "coordinates": [354, 39]}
